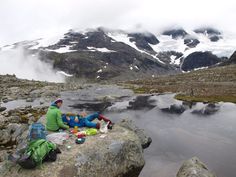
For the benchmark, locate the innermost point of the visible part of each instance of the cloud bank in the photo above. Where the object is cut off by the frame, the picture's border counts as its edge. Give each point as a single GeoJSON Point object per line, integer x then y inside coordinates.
{"type": "Point", "coordinates": [27, 19]}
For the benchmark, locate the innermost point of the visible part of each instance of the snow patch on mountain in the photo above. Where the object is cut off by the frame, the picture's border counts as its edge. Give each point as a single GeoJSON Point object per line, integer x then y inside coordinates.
{"type": "Point", "coordinates": [104, 50]}
{"type": "Point", "coordinates": [99, 71]}
{"type": "Point", "coordinates": [174, 60]}
{"type": "Point", "coordinates": [195, 69]}
{"type": "Point", "coordinates": [47, 41]}
{"type": "Point", "coordinates": [169, 44]}
{"type": "Point", "coordinates": [123, 37]}
{"type": "Point", "coordinates": [65, 49]}
{"type": "Point", "coordinates": [64, 73]}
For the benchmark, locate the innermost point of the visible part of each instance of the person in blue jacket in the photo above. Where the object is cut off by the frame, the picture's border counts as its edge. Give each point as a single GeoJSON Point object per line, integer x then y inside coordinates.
{"type": "Point", "coordinates": [84, 120]}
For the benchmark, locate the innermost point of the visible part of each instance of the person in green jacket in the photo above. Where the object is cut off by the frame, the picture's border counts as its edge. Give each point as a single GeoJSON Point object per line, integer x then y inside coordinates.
{"type": "Point", "coordinates": [53, 117]}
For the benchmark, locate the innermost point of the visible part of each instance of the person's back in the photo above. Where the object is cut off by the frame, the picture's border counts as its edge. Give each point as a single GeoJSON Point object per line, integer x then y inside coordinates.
{"type": "Point", "coordinates": [53, 117]}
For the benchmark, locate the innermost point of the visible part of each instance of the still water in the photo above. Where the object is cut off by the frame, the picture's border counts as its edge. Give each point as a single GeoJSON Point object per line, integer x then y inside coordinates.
{"type": "Point", "coordinates": [178, 137]}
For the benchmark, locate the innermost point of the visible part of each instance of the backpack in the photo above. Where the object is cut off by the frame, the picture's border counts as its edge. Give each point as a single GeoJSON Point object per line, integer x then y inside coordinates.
{"type": "Point", "coordinates": [37, 152]}
{"type": "Point", "coordinates": [37, 131]}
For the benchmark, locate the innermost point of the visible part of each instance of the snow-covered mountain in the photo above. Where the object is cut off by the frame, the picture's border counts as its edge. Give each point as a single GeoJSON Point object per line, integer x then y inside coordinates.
{"type": "Point", "coordinates": [102, 53]}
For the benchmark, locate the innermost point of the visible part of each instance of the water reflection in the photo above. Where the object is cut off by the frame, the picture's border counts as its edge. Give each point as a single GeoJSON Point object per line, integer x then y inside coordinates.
{"type": "Point", "coordinates": [178, 137]}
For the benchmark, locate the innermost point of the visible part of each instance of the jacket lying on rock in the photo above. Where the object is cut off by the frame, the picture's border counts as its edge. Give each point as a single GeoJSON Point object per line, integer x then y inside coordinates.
{"type": "Point", "coordinates": [82, 121]}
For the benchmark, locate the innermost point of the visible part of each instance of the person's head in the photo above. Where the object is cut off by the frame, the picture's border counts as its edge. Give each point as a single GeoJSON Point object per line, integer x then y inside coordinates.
{"type": "Point", "coordinates": [58, 102]}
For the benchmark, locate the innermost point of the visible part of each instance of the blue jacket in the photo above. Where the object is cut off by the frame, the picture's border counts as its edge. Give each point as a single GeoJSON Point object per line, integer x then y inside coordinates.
{"type": "Point", "coordinates": [83, 122]}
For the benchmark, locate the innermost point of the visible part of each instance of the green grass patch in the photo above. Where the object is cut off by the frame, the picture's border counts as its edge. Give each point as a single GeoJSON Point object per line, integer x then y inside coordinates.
{"type": "Point", "coordinates": [213, 98]}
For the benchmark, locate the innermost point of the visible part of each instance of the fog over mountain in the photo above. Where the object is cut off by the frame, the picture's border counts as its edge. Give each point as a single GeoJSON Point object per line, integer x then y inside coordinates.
{"type": "Point", "coordinates": [27, 66]}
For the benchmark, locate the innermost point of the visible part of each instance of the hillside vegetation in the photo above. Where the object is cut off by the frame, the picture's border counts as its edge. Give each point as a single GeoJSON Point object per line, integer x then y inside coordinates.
{"type": "Point", "coordinates": [208, 85]}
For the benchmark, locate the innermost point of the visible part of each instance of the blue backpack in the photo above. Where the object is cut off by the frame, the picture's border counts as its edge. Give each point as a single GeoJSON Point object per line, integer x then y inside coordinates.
{"type": "Point", "coordinates": [37, 131]}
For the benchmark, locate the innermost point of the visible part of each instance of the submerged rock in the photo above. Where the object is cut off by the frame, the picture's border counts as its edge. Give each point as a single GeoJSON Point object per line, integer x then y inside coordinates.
{"type": "Point", "coordinates": [207, 110]}
{"type": "Point", "coordinates": [141, 102]}
{"type": "Point", "coordinates": [194, 168]}
{"type": "Point", "coordinates": [174, 109]}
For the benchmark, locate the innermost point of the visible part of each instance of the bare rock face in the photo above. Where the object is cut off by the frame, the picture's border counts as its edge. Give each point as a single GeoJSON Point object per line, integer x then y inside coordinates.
{"type": "Point", "coordinates": [194, 168]}
{"type": "Point", "coordinates": [198, 60]}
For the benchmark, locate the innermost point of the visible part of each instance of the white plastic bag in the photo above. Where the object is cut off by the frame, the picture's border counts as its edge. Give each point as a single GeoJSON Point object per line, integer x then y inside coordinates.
{"type": "Point", "coordinates": [104, 128]}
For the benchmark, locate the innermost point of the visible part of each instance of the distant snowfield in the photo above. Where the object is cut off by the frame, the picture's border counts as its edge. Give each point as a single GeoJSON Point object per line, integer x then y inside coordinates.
{"type": "Point", "coordinates": [222, 48]}
{"type": "Point", "coordinates": [47, 40]}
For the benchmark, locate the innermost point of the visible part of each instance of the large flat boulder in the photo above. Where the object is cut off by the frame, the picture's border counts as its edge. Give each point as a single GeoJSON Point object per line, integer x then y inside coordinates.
{"type": "Point", "coordinates": [118, 153]}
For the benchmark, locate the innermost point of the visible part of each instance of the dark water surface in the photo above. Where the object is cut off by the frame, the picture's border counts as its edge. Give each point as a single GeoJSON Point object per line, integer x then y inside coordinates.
{"type": "Point", "coordinates": [176, 137]}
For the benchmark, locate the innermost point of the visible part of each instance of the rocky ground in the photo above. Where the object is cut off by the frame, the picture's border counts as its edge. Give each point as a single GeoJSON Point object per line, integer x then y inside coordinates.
{"type": "Point", "coordinates": [12, 88]}
{"type": "Point", "coordinates": [207, 85]}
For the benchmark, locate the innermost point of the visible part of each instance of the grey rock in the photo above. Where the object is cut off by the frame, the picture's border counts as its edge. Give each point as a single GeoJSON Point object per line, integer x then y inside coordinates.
{"type": "Point", "coordinates": [10, 134]}
{"type": "Point", "coordinates": [207, 110]}
{"type": "Point", "coordinates": [2, 109]}
{"type": "Point", "coordinates": [144, 139]}
{"type": "Point", "coordinates": [141, 102]}
{"type": "Point", "coordinates": [175, 33]}
{"type": "Point", "coordinates": [5, 99]}
{"type": "Point", "coordinates": [5, 137]}
{"type": "Point", "coordinates": [191, 42]}
{"type": "Point", "coordinates": [174, 109]}
{"type": "Point", "coordinates": [194, 168]}
{"type": "Point", "coordinates": [29, 100]}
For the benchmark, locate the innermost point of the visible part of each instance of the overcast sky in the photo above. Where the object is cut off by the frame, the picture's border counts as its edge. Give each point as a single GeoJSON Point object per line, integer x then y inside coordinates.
{"type": "Point", "coordinates": [30, 19]}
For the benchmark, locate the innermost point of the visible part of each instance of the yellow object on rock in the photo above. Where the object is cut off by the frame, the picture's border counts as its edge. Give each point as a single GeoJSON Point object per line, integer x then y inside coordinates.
{"type": "Point", "coordinates": [91, 131]}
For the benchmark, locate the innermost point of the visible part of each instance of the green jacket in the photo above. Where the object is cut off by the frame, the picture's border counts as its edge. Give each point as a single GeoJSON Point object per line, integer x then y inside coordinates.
{"type": "Point", "coordinates": [54, 120]}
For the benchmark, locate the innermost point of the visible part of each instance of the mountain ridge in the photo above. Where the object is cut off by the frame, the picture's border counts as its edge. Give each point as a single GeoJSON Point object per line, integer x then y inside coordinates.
{"type": "Point", "coordinates": [119, 55]}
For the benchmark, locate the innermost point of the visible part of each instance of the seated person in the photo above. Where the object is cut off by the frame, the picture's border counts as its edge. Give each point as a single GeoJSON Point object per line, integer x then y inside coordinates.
{"type": "Point", "coordinates": [84, 120]}
{"type": "Point", "coordinates": [53, 117]}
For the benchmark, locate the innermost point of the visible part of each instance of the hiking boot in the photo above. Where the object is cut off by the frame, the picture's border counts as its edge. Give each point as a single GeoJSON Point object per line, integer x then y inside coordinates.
{"type": "Point", "coordinates": [101, 117]}
{"type": "Point", "coordinates": [110, 126]}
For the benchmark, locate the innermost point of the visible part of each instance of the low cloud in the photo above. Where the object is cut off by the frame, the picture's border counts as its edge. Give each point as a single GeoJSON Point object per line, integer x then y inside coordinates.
{"type": "Point", "coordinates": [27, 66]}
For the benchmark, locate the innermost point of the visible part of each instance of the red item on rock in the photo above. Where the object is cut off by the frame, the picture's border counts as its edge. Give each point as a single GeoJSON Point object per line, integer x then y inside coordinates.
{"type": "Point", "coordinates": [101, 117]}
{"type": "Point", "coordinates": [98, 126]}
{"type": "Point", "coordinates": [81, 135]}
